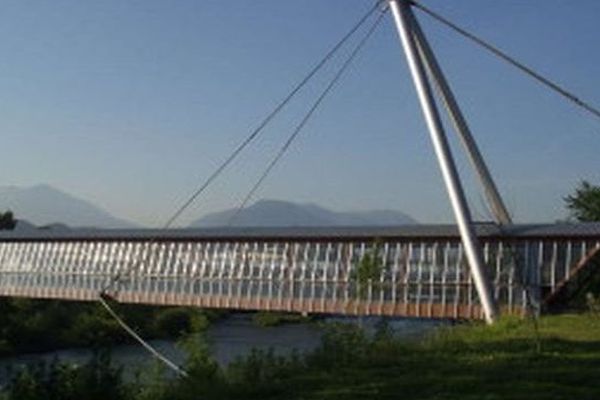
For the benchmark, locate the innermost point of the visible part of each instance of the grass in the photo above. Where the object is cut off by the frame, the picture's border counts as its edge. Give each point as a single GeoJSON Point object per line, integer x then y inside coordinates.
{"type": "Point", "coordinates": [560, 359]}
{"type": "Point", "coordinates": [473, 361]}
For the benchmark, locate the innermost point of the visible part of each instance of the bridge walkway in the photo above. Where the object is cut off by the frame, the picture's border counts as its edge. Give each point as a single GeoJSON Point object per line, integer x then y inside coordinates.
{"type": "Point", "coordinates": [411, 271]}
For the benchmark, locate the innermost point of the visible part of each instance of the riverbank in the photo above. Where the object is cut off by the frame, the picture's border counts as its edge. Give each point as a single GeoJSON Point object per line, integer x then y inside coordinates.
{"type": "Point", "coordinates": [230, 337]}
{"type": "Point", "coordinates": [557, 358]}
{"type": "Point", "coordinates": [34, 326]}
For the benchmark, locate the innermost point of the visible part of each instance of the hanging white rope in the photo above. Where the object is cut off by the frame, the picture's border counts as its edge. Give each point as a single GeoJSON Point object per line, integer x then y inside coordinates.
{"type": "Point", "coordinates": [139, 339]}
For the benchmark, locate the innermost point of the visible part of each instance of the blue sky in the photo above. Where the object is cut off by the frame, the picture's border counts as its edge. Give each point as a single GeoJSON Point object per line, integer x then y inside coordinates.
{"type": "Point", "coordinates": [131, 104]}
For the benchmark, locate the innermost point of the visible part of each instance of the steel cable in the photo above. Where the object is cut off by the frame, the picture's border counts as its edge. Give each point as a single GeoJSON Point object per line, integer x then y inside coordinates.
{"type": "Point", "coordinates": [140, 340]}
{"type": "Point", "coordinates": [255, 133]}
{"type": "Point", "coordinates": [307, 117]}
{"type": "Point", "coordinates": [512, 61]}
{"type": "Point", "coordinates": [269, 117]}
{"type": "Point", "coordinates": [532, 308]}
{"type": "Point", "coordinates": [103, 293]}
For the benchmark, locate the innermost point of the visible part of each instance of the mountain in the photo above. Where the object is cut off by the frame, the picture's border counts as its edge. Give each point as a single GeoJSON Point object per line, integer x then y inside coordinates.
{"type": "Point", "coordinates": [25, 227]}
{"type": "Point", "coordinates": [276, 213]}
{"type": "Point", "coordinates": [45, 205]}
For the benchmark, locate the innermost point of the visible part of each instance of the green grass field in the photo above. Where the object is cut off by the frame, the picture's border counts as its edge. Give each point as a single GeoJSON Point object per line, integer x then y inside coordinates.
{"type": "Point", "coordinates": [506, 361]}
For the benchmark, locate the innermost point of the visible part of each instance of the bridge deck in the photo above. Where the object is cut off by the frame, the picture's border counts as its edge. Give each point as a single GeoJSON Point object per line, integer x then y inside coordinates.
{"type": "Point", "coordinates": [306, 233]}
{"type": "Point", "coordinates": [402, 271]}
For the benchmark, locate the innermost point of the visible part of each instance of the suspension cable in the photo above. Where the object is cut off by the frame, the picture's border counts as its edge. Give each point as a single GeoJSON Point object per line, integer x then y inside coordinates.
{"type": "Point", "coordinates": [522, 279]}
{"type": "Point", "coordinates": [255, 133]}
{"type": "Point", "coordinates": [270, 116]}
{"type": "Point", "coordinates": [512, 61]}
{"type": "Point", "coordinates": [140, 340]}
{"type": "Point", "coordinates": [103, 293]}
{"type": "Point", "coordinates": [307, 117]}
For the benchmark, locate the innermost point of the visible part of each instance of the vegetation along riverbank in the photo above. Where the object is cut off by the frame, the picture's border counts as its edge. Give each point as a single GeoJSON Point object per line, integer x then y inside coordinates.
{"type": "Point", "coordinates": [29, 326]}
{"type": "Point", "coordinates": [556, 358]}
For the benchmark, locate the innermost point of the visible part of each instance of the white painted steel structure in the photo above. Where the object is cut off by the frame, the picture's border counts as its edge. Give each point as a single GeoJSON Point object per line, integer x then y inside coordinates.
{"type": "Point", "coordinates": [423, 273]}
{"type": "Point", "coordinates": [406, 24]}
{"type": "Point", "coordinates": [494, 199]}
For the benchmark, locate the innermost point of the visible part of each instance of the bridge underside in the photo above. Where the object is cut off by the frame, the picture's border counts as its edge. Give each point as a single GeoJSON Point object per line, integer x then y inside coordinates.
{"type": "Point", "coordinates": [309, 306]}
{"type": "Point", "coordinates": [377, 271]}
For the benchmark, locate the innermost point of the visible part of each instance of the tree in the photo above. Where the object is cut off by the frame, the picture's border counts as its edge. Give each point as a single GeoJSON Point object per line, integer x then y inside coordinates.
{"type": "Point", "coordinates": [368, 271]}
{"type": "Point", "coordinates": [584, 204]}
{"type": "Point", "coordinates": [7, 221]}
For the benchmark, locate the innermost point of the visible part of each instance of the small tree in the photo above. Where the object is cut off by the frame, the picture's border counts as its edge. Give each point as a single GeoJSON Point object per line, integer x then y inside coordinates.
{"type": "Point", "coordinates": [7, 221]}
{"type": "Point", "coordinates": [584, 204]}
{"type": "Point", "coordinates": [369, 270]}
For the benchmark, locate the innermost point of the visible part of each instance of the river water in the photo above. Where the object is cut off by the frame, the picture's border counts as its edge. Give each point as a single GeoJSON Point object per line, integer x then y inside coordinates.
{"type": "Point", "coordinates": [229, 338]}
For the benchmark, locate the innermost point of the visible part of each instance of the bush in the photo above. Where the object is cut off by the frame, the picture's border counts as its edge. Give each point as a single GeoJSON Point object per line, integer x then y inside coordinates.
{"type": "Point", "coordinates": [341, 345]}
{"type": "Point", "coordinates": [177, 322]}
{"type": "Point", "coordinates": [262, 373]}
{"type": "Point", "coordinates": [593, 304]}
{"type": "Point", "coordinates": [97, 380]}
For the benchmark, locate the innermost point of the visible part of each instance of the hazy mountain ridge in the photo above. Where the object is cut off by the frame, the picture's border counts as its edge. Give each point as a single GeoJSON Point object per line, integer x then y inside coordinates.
{"type": "Point", "coordinates": [277, 213]}
{"type": "Point", "coordinates": [45, 205]}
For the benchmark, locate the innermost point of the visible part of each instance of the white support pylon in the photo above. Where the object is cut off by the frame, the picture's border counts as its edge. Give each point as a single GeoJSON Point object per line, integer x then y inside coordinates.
{"type": "Point", "coordinates": [461, 126]}
{"type": "Point", "coordinates": [403, 19]}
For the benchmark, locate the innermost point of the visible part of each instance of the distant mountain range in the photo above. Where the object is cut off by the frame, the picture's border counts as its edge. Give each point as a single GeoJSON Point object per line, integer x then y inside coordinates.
{"type": "Point", "coordinates": [44, 205]}
{"type": "Point", "coordinates": [276, 213]}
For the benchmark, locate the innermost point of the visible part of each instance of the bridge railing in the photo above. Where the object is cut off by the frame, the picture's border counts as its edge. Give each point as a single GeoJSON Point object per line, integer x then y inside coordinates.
{"type": "Point", "coordinates": [423, 278]}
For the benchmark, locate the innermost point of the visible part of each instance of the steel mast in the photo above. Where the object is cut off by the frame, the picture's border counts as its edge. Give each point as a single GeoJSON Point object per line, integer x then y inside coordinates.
{"type": "Point", "coordinates": [420, 57]}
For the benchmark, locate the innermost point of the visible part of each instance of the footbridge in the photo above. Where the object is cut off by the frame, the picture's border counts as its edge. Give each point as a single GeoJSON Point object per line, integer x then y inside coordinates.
{"type": "Point", "coordinates": [470, 270]}
{"type": "Point", "coordinates": [413, 271]}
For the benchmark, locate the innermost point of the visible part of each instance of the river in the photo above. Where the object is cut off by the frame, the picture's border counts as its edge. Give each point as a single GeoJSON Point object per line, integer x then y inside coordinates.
{"type": "Point", "coordinates": [231, 337]}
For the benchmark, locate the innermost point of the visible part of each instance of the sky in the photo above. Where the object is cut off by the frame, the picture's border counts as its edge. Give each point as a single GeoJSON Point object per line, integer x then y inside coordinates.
{"type": "Point", "coordinates": [132, 104]}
